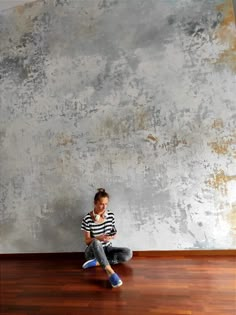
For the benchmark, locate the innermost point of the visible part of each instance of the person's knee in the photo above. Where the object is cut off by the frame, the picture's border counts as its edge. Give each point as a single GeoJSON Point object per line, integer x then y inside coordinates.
{"type": "Point", "coordinates": [96, 243]}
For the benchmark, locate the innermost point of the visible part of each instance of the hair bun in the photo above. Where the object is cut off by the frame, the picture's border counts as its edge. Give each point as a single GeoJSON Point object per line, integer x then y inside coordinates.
{"type": "Point", "coordinates": [101, 190]}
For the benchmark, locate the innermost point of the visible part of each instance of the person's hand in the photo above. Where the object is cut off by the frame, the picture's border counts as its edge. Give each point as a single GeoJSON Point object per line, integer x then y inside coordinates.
{"type": "Point", "coordinates": [108, 238]}
{"type": "Point", "coordinates": [102, 238]}
{"type": "Point", "coordinates": [105, 237]}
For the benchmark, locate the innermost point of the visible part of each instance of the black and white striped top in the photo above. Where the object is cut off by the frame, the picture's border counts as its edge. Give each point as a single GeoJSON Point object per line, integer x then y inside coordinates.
{"type": "Point", "coordinates": [95, 228]}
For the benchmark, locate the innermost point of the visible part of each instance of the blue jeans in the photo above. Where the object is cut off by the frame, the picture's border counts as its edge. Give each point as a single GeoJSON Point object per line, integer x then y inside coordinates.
{"type": "Point", "coordinates": [107, 255]}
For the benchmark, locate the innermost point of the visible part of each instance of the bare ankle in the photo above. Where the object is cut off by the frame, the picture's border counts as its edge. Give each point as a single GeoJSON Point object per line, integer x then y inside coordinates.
{"type": "Point", "coordinates": [109, 270]}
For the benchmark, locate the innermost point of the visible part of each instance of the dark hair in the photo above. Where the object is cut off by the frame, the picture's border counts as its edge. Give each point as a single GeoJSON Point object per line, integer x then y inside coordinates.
{"type": "Point", "coordinates": [101, 193]}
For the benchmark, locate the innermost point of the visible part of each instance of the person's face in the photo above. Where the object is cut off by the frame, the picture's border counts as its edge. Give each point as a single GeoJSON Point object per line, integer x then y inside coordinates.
{"type": "Point", "coordinates": [101, 205]}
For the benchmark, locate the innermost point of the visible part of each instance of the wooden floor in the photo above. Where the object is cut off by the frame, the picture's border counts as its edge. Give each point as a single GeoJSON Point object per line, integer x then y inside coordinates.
{"type": "Point", "coordinates": [152, 285]}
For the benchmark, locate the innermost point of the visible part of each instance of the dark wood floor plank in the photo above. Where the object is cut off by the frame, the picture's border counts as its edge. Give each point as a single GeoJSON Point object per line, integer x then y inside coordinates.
{"type": "Point", "coordinates": [199, 285]}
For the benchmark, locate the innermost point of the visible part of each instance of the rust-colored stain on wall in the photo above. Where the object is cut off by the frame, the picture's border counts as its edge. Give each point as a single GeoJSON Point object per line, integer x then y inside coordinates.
{"type": "Point", "coordinates": [224, 146]}
{"type": "Point", "coordinates": [218, 124]}
{"type": "Point", "coordinates": [152, 138]}
{"type": "Point", "coordinates": [20, 9]}
{"type": "Point", "coordinates": [219, 148]}
{"type": "Point", "coordinates": [64, 140]}
{"type": "Point", "coordinates": [232, 220]}
{"type": "Point", "coordinates": [25, 7]}
{"type": "Point", "coordinates": [219, 181]}
{"type": "Point", "coordinates": [226, 33]}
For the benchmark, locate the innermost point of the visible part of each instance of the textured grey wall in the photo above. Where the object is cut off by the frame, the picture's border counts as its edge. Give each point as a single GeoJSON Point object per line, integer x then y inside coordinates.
{"type": "Point", "coordinates": [134, 96]}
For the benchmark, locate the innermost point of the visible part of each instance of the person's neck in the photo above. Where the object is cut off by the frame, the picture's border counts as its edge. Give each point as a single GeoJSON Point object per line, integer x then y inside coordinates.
{"type": "Point", "coordinates": [98, 212]}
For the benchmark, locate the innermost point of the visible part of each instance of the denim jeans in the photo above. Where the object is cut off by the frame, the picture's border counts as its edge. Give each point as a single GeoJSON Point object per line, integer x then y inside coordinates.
{"type": "Point", "coordinates": [107, 255]}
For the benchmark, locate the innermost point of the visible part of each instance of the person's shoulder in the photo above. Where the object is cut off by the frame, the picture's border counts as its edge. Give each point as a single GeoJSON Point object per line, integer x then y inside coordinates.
{"type": "Point", "coordinates": [87, 217]}
{"type": "Point", "coordinates": [110, 213]}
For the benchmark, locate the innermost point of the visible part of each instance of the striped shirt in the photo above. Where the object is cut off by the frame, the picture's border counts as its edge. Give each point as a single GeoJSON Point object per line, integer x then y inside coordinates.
{"type": "Point", "coordinates": [95, 228]}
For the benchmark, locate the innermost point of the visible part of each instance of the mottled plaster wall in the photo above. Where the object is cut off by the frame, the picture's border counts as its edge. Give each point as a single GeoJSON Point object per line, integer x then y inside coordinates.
{"type": "Point", "coordinates": [134, 96]}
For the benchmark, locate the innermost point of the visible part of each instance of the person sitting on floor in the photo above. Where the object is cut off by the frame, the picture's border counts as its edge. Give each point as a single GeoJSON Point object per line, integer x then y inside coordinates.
{"type": "Point", "coordinates": [99, 230]}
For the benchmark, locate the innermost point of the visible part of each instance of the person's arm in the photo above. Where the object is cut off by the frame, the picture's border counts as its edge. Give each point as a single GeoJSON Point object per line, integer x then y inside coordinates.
{"type": "Point", "coordinates": [113, 231]}
{"type": "Point", "coordinates": [103, 238]}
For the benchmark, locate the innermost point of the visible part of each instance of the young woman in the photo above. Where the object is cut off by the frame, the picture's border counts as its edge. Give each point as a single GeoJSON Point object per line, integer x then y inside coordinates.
{"type": "Point", "coordinates": [99, 230]}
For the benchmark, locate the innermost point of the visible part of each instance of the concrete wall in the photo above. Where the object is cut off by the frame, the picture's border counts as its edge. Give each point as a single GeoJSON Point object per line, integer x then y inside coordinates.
{"type": "Point", "coordinates": [134, 96]}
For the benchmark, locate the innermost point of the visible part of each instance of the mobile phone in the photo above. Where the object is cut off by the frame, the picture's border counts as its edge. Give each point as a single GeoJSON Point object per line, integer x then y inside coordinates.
{"type": "Point", "coordinates": [113, 231]}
